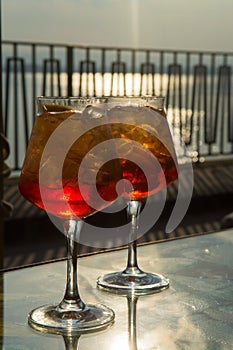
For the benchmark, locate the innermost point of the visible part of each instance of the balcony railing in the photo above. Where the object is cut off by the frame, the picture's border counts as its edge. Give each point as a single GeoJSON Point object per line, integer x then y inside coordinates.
{"type": "Point", "coordinates": [196, 86]}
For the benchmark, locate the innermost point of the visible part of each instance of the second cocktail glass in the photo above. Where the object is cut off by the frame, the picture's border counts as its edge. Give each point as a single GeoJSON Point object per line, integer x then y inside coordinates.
{"type": "Point", "coordinates": [149, 164]}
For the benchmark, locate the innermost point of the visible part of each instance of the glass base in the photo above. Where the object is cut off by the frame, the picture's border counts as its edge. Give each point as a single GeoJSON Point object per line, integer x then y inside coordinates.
{"type": "Point", "coordinates": [53, 319]}
{"type": "Point", "coordinates": [139, 283]}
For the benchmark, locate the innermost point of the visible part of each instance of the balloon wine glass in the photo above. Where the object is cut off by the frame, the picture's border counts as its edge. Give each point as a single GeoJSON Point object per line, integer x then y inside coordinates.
{"type": "Point", "coordinates": [148, 162]}
{"type": "Point", "coordinates": [65, 130]}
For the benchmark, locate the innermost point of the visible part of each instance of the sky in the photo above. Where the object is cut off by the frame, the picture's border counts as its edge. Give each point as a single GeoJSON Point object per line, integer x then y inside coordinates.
{"type": "Point", "coordinates": [157, 24]}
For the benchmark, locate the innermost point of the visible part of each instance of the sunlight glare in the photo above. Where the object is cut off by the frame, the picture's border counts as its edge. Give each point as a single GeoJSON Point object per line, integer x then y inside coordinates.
{"type": "Point", "coordinates": [120, 342]}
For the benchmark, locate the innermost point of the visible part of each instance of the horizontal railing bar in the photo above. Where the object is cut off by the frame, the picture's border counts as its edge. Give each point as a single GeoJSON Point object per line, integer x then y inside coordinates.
{"type": "Point", "coordinates": [97, 47]}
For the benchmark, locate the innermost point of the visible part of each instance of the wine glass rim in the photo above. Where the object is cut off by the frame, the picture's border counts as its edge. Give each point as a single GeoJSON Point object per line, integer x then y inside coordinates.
{"type": "Point", "coordinates": [68, 98]}
{"type": "Point", "coordinates": [95, 98]}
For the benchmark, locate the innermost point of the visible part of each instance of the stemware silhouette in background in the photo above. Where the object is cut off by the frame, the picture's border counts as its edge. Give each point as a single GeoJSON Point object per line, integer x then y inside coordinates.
{"type": "Point", "coordinates": [49, 180]}
{"type": "Point", "coordinates": [148, 162]}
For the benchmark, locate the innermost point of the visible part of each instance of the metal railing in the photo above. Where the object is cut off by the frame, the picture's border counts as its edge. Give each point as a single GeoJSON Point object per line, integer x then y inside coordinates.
{"type": "Point", "coordinates": [196, 85]}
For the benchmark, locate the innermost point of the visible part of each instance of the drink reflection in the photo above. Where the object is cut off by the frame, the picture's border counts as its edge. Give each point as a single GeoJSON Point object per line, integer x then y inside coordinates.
{"type": "Point", "coordinates": [72, 339]}
{"type": "Point", "coordinates": [132, 324]}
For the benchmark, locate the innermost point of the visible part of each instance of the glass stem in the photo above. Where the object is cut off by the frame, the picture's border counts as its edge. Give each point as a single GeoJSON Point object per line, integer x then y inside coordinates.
{"type": "Point", "coordinates": [133, 211]}
{"type": "Point", "coordinates": [72, 300]}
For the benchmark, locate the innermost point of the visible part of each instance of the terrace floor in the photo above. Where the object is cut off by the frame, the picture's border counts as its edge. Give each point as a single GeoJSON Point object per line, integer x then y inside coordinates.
{"type": "Point", "coordinates": [31, 238]}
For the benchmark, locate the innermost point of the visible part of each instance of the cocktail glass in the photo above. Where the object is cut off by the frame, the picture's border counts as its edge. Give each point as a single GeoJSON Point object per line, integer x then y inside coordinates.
{"type": "Point", "coordinates": [65, 130]}
{"type": "Point", "coordinates": [148, 162]}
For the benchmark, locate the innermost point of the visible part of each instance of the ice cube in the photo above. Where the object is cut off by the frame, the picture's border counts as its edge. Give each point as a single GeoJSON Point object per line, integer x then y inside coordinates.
{"type": "Point", "coordinates": [141, 123]}
{"type": "Point", "coordinates": [94, 111]}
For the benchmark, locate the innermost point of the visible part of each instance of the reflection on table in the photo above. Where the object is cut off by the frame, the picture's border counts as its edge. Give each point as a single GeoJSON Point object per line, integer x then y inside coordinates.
{"type": "Point", "coordinates": [194, 313]}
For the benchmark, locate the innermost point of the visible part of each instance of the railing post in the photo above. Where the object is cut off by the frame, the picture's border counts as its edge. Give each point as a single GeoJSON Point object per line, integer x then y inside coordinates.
{"type": "Point", "coordinates": [69, 70]}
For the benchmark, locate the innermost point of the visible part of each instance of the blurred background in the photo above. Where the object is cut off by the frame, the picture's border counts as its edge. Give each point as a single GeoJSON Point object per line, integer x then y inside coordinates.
{"type": "Point", "coordinates": [157, 24]}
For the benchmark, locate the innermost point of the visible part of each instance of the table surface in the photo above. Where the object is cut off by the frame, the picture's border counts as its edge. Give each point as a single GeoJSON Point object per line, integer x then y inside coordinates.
{"type": "Point", "coordinates": [196, 312]}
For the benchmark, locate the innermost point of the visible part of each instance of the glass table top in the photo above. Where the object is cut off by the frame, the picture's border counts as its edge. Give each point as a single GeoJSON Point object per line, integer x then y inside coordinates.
{"type": "Point", "coordinates": [196, 312]}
